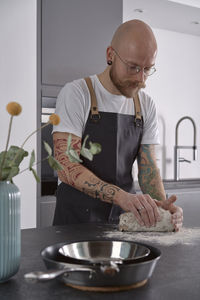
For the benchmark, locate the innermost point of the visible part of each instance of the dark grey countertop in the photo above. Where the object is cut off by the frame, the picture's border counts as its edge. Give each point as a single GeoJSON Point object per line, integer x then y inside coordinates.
{"type": "Point", "coordinates": [176, 276]}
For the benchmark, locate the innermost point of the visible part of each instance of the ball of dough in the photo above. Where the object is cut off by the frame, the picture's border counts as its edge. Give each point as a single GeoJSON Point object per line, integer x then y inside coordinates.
{"type": "Point", "coordinates": [128, 222]}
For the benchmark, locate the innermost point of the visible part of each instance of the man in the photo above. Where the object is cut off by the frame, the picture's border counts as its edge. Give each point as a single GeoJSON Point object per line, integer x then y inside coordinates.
{"type": "Point", "coordinates": [113, 111]}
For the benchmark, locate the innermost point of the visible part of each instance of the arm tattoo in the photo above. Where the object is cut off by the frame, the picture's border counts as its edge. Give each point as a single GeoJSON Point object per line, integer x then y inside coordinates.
{"type": "Point", "coordinates": [99, 189]}
{"type": "Point", "coordinates": [71, 171]}
{"type": "Point", "coordinates": [80, 177]}
{"type": "Point", "coordinates": [149, 175]}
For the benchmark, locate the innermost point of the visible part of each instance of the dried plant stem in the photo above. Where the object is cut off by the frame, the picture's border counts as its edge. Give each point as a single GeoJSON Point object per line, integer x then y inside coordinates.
{"type": "Point", "coordinates": [34, 133]}
{"type": "Point", "coordinates": [35, 164]}
{"type": "Point", "coordinates": [7, 143]}
{"type": "Point", "coordinates": [17, 154]}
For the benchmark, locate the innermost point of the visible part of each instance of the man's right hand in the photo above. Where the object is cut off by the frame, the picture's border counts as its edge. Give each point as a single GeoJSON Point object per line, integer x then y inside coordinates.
{"type": "Point", "coordinates": [141, 205]}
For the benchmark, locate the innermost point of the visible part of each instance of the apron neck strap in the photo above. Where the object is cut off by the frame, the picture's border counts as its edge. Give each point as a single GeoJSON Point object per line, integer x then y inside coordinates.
{"type": "Point", "coordinates": [95, 116]}
{"type": "Point", "coordinates": [138, 115]}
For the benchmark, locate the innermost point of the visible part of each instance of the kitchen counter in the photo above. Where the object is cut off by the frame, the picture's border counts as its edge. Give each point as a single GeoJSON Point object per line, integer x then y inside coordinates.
{"type": "Point", "coordinates": [176, 276]}
{"type": "Point", "coordinates": [182, 184]}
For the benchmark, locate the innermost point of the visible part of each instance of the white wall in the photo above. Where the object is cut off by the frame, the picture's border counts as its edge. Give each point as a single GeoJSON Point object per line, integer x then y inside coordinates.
{"type": "Point", "coordinates": [18, 83]}
{"type": "Point", "coordinates": [175, 90]}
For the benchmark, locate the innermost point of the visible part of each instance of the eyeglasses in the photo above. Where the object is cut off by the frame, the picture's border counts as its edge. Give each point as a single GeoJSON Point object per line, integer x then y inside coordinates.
{"type": "Point", "coordinates": [134, 69]}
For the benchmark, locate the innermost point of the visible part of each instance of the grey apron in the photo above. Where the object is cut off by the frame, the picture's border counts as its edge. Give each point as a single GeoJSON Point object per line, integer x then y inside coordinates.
{"type": "Point", "coordinates": [120, 137]}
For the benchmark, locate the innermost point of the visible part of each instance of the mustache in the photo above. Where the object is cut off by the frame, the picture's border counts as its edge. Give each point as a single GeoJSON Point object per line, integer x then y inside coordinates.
{"type": "Point", "coordinates": [136, 84]}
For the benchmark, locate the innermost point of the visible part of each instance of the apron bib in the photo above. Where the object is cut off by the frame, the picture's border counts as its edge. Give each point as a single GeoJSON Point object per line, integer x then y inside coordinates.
{"type": "Point", "coordinates": [120, 137]}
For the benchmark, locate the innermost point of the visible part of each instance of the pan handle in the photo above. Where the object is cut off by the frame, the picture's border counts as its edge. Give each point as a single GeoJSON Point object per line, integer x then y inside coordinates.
{"type": "Point", "coordinates": [52, 274]}
{"type": "Point", "coordinates": [110, 269]}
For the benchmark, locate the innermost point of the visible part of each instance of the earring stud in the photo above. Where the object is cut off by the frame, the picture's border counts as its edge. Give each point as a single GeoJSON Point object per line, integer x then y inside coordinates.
{"type": "Point", "coordinates": [109, 62]}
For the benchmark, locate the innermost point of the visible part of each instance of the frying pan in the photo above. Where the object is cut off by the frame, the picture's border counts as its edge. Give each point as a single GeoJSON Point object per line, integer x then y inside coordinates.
{"type": "Point", "coordinates": [94, 275]}
{"type": "Point", "coordinates": [104, 252]}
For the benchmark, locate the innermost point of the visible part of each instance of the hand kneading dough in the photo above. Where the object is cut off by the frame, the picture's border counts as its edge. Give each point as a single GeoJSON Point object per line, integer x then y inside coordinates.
{"type": "Point", "coordinates": [128, 222]}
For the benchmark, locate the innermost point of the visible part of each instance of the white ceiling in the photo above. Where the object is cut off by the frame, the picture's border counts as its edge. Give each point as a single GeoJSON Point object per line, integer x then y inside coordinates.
{"type": "Point", "coordinates": [166, 14]}
{"type": "Point", "coordinates": [195, 3]}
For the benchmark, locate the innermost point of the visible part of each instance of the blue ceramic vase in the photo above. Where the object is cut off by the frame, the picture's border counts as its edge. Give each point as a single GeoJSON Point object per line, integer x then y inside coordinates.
{"type": "Point", "coordinates": [10, 235]}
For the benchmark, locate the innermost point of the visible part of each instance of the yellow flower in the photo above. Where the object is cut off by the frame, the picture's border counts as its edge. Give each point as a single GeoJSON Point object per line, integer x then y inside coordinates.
{"type": "Point", "coordinates": [14, 108]}
{"type": "Point", "coordinates": [54, 119]}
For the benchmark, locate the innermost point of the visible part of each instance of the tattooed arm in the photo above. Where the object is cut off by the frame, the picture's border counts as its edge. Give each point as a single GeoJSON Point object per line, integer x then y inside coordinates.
{"type": "Point", "coordinates": [148, 173]}
{"type": "Point", "coordinates": [81, 178]}
{"type": "Point", "coordinates": [77, 175]}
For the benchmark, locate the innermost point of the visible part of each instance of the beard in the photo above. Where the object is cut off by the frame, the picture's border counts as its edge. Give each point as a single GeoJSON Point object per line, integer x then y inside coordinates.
{"type": "Point", "coordinates": [127, 88]}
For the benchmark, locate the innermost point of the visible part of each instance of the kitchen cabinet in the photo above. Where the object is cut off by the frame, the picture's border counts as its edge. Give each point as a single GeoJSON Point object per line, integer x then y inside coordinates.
{"type": "Point", "coordinates": [47, 208]}
{"type": "Point", "coordinates": [72, 39]}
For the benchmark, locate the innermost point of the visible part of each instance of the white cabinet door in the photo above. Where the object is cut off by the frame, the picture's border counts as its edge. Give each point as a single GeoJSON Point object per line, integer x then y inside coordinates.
{"type": "Point", "coordinates": [47, 208]}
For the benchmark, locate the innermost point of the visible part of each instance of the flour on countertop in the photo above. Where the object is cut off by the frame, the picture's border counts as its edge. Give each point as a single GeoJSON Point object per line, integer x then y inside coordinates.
{"type": "Point", "coordinates": [186, 236]}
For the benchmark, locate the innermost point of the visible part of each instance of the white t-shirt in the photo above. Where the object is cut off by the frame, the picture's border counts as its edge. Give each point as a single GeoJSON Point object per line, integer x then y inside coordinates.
{"type": "Point", "coordinates": [73, 107]}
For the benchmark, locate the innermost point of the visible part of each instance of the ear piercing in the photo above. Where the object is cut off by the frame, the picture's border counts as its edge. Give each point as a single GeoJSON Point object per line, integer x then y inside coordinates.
{"type": "Point", "coordinates": [109, 62]}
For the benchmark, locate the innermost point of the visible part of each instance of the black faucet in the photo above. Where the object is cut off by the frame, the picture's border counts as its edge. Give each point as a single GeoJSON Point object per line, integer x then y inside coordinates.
{"type": "Point", "coordinates": [178, 159]}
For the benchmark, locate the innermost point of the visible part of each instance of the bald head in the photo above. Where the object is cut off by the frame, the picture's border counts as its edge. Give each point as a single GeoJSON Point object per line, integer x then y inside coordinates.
{"type": "Point", "coordinates": [132, 34]}
{"type": "Point", "coordinates": [130, 58]}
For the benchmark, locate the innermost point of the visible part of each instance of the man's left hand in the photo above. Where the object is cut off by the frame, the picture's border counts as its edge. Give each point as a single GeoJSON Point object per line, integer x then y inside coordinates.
{"type": "Point", "coordinates": [176, 211]}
